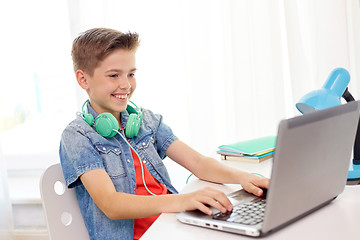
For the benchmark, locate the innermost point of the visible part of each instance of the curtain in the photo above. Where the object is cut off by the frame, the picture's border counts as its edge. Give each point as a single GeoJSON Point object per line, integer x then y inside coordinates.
{"type": "Point", "coordinates": [322, 35]}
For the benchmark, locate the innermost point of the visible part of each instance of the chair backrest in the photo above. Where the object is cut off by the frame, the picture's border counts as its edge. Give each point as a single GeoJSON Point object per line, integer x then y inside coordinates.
{"type": "Point", "coordinates": [62, 212]}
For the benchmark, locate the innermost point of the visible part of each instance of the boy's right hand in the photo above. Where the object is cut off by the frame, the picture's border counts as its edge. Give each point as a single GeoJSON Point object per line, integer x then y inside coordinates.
{"type": "Point", "coordinates": [202, 199]}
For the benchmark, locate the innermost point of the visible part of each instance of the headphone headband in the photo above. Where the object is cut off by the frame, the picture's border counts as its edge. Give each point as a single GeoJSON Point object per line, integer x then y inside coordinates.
{"type": "Point", "coordinates": [86, 111]}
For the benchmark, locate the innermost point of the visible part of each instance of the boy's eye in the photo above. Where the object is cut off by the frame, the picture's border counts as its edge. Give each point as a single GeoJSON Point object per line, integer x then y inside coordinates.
{"type": "Point", "coordinates": [132, 75]}
{"type": "Point", "coordinates": [113, 75]}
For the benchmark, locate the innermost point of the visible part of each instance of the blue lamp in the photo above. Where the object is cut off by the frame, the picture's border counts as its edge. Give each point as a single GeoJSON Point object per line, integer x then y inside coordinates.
{"type": "Point", "coordinates": [334, 88]}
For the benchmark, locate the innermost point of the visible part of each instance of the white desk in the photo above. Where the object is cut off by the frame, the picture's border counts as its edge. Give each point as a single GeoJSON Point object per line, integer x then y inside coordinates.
{"type": "Point", "coordinates": [338, 220]}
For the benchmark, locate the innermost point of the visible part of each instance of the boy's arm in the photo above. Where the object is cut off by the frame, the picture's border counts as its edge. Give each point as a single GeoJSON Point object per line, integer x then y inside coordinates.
{"type": "Point", "coordinates": [118, 205]}
{"type": "Point", "coordinates": [209, 169]}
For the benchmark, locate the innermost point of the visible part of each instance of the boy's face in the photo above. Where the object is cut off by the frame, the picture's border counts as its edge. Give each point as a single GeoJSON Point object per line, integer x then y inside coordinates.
{"type": "Point", "coordinates": [112, 83]}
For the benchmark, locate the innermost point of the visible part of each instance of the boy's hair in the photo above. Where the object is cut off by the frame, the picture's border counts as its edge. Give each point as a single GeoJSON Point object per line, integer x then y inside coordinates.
{"type": "Point", "coordinates": [95, 44]}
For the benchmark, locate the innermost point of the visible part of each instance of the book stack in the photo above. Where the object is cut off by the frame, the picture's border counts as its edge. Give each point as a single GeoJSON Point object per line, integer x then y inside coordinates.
{"type": "Point", "coordinates": [254, 150]}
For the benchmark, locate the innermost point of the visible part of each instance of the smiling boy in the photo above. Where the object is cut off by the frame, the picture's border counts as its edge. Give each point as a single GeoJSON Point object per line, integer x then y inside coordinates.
{"type": "Point", "coordinates": [112, 83]}
{"type": "Point", "coordinates": [121, 182]}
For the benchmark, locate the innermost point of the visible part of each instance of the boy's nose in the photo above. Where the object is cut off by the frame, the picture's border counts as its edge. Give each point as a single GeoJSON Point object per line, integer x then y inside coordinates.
{"type": "Point", "coordinates": [124, 84]}
{"type": "Point", "coordinates": [126, 88]}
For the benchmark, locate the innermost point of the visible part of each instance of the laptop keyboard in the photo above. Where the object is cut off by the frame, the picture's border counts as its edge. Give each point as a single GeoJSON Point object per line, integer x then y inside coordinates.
{"type": "Point", "coordinates": [249, 213]}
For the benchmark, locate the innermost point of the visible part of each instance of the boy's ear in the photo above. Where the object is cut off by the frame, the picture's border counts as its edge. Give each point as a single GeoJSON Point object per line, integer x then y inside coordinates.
{"type": "Point", "coordinates": [81, 78]}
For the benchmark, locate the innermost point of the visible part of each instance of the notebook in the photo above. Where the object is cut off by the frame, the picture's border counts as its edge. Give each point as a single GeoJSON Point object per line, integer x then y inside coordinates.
{"type": "Point", "coordinates": [310, 167]}
{"type": "Point", "coordinates": [256, 146]}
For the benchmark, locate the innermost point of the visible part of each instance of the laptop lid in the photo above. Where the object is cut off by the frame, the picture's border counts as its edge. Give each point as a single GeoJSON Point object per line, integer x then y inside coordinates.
{"type": "Point", "coordinates": [310, 163]}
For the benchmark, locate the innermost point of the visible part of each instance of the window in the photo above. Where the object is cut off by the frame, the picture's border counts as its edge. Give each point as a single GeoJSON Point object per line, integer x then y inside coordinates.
{"type": "Point", "coordinates": [37, 93]}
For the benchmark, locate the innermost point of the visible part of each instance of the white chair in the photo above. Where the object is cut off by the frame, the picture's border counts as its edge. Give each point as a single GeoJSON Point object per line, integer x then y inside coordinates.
{"type": "Point", "coordinates": [62, 212]}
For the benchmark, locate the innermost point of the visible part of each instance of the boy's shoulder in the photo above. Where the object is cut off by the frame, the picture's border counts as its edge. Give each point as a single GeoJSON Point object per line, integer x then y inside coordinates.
{"type": "Point", "coordinates": [150, 118]}
{"type": "Point", "coordinates": [78, 124]}
{"type": "Point", "coordinates": [78, 121]}
{"type": "Point", "coordinates": [149, 115]}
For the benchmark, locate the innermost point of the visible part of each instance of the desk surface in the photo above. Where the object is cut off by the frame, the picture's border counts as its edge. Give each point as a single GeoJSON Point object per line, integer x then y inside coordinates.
{"type": "Point", "coordinates": [338, 220]}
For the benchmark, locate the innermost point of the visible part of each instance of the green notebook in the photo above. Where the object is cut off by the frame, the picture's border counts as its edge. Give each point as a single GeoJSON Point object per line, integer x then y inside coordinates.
{"type": "Point", "coordinates": [252, 147]}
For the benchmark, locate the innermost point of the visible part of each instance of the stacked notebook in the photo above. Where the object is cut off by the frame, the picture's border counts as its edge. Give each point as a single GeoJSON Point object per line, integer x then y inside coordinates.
{"type": "Point", "coordinates": [254, 150]}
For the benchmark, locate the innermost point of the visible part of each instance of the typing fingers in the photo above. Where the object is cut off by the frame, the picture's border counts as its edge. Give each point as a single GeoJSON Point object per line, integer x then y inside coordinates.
{"type": "Point", "coordinates": [256, 185]}
{"type": "Point", "coordinates": [213, 198]}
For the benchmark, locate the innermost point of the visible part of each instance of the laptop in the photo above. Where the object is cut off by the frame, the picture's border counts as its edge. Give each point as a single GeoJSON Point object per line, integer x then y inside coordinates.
{"type": "Point", "coordinates": [310, 167]}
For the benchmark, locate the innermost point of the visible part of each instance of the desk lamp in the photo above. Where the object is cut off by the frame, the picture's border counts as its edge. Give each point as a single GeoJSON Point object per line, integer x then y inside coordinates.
{"type": "Point", "coordinates": [334, 88]}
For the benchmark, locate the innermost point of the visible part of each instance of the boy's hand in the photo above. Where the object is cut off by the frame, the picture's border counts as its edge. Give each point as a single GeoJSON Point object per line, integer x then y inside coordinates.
{"type": "Point", "coordinates": [204, 198]}
{"type": "Point", "coordinates": [255, 184]}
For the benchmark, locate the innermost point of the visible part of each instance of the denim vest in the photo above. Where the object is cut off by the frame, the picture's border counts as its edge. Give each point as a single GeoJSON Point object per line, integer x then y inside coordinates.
{"type": "Point", "coordinates": [83, 149]}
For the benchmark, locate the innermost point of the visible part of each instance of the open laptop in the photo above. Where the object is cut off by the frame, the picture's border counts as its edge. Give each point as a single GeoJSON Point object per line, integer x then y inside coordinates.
{"type": "Point", "coordinates": [310, 167]}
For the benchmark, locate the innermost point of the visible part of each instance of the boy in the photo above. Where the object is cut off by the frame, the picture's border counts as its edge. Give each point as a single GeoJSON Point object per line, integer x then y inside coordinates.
{"type": "Point", "coordinates": [121, 183]}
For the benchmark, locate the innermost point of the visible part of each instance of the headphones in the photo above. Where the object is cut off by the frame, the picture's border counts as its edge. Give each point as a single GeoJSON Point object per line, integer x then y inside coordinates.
{"type": "Point", "coordinates": [107, 125]}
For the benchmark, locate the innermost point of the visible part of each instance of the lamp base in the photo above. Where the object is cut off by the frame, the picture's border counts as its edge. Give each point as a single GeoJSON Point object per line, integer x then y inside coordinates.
{"type": "Point", "coordinates": [353, 177]}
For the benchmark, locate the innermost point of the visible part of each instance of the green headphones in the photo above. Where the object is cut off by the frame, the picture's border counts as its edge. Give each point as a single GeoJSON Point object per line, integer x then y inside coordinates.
{"type": "Point", "coordinates": [107, 125]}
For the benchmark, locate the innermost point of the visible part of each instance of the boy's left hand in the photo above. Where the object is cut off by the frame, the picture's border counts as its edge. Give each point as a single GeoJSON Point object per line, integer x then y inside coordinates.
{"type": "Point", "coordinates": [255, 184]}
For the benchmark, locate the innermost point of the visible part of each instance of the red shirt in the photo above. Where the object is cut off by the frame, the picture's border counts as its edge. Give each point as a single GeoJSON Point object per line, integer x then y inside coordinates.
{"type": "Point", "coordinates": [142, 224]}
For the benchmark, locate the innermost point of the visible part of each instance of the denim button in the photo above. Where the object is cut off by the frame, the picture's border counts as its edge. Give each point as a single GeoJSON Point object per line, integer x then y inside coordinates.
{"type": "Point", "coordinates": [144, 144]}
{"type": "Point", "coordinates": [128, 160]}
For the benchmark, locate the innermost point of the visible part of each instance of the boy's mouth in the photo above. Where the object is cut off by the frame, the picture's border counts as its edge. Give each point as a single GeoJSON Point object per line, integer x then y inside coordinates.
{"type": "Point", "coordinates": [121, 96]}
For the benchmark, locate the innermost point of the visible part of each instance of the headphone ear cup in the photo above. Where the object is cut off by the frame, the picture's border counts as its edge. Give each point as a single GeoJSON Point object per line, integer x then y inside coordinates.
{"type": "Point", "coordinates": [105, 123]}
{"type": "Point", "coordinates": [88, 118]}
{"type": "Point", "coordinates": [132, 126]}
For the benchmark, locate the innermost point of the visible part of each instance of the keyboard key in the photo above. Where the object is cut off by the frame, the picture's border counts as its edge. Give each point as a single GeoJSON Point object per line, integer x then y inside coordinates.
{"type": "Point", "coordinates": [250, 213]}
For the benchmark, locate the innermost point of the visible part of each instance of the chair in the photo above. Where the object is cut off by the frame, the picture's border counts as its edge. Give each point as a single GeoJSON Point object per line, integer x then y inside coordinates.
{"type": "Point", "coordinates": [62, 212]}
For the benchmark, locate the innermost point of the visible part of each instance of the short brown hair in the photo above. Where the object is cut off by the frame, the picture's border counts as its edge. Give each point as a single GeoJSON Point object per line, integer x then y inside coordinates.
{"type": "Point", "coordinates": [95, 44]}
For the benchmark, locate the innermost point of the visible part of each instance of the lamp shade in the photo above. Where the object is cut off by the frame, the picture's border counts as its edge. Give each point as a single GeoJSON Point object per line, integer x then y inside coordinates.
{"type": "Point", "coordinates": [329, 95]}
{"type": "Point", "coordinates": [334, 88]}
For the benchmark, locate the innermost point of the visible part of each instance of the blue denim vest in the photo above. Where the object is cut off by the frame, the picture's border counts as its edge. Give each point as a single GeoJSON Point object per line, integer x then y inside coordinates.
{"type": "Point", "coordinates": [83, 149]}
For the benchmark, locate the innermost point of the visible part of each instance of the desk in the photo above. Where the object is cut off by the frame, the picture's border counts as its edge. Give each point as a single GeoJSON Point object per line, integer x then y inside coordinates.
{"type": "Point", "coordinates": [338, 220]}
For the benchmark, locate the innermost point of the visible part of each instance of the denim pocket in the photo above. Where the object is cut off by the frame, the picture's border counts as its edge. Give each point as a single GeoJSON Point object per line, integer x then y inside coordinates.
{"type": "Point", "coordinates": [111, 156]}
